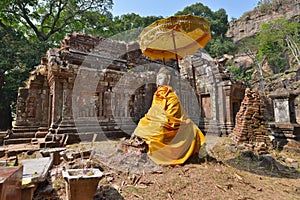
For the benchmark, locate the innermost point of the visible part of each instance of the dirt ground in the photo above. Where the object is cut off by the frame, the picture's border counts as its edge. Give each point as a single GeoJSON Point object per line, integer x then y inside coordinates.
{"type": "Point", "coordinates": [227, 173]}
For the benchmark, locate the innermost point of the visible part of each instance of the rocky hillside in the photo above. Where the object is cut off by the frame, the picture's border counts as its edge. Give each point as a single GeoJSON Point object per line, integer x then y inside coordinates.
{"type": "Point", "coordinates": [249, 23]}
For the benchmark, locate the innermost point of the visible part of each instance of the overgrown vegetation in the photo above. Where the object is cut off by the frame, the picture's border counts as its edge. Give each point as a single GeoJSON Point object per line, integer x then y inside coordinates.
{"type": "Point", "coordinates": [17, 59]}
{"type": "Point", "coordinates": [275, 46]}
{"type": "Point", "coordinates": [241, 74]}
{"type": "Point", "coordinates": [268, 6]}
{"type": "Point", "coordinates": [279, 43]}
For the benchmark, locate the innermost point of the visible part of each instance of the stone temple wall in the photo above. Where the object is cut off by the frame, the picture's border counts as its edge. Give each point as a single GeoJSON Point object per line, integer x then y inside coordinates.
{"type": "Point", "coordinates": [219, 95]}
{"type": "Point", "coordinates": [92, 84]}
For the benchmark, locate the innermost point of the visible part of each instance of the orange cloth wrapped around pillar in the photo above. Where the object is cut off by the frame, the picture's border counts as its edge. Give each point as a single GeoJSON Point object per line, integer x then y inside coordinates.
{"type": "Point", "coordinates": [170, 134]}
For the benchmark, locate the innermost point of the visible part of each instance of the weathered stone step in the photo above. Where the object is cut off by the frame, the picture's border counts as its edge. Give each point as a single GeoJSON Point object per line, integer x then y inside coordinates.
{"type": "Point", "coordinates": [15, 152]}
{"type": "Point", "coordinates": [63, 130]}
{"type": "Point", "coordinates": [34, 141]}
{"type": "Point", "coordinates": [22, 129]}
{"type": "Point", "coordinates": [49, 144]}
{"type": "Point", "coordinates": [22, 135]}
{"type": "Point", "coordinates": [40, 134]}
{"type": "Point", "coordinates": [17, 141]}
{"type": "Point", "coordinates": [106, 123]}
{"type": "Point", "coordinates": [98, 129]}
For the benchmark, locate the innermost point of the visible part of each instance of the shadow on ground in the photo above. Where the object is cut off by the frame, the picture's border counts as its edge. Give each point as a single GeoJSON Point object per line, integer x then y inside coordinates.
{"type": "Point", "coordinates": [45, 191]}
{"type": "Point", "coordinates": [108, 192]}
{"type": "Point", "coordinates": [264, 165]}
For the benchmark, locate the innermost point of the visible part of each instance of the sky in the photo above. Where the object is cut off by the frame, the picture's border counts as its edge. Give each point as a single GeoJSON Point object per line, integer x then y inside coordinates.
{"type": "Point", "coordinates": [166, 8]}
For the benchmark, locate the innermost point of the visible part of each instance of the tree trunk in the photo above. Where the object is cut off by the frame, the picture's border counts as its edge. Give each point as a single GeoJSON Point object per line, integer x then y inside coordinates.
{"type": "Point", "coordinates": [294, 49]}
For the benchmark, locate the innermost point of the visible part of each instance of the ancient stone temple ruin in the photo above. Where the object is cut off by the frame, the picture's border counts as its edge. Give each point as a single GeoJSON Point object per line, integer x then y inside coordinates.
{"type": "Point", "coordinates": [250, 131]}
{"type": "Point", "coordinates": [285, 128]}
{"type": "Point", "coordinates": [93, 85]}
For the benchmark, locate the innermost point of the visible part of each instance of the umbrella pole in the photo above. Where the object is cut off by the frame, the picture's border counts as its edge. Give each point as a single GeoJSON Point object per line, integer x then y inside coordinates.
{"type": "Point", "coordinates": [177, 64]}
{"type": "Point", "coordinates": [175, 51]}
{"type": "Point", "coordinates": [195, 83]}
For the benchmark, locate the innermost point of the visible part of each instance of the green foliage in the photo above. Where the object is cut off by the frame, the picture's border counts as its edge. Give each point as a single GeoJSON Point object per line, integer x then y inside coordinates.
{"type": "Point", "coordinates": [17, 59]}
{"type": "Point", "coordinates": [197, 9]}
{"type": "Point", "coordinates": [128, 27]}
{"type": "Point", "coordinates": [125, 27]}
{"type": "Point", "coordinates": [236, 72]}
{"type": "Point", "coordinates": [272, 42]}
{"type": "Point", "coordinates": [267, 6]}
{"type": "Point", "coordinates": [248, 73]}
{"type": "Point", "coordinates": [240, 74]}
{"type": "Point", "coordinates": [247, 44]}
{"type": "Point", "coordinates": [249, 47]}
{"type": "Point", "coordinates": [48, 19]}
{"type": "Point", "coordinates": [16, 56]}
{"type": "Point", "coordinates": [220, 46]}
{"type": "Point", "coordinates": [219, 23]}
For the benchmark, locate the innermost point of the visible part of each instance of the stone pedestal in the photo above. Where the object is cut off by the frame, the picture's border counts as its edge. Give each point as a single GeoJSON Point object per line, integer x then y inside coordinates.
{"type": "Point", "coordinates": [284, 108]}
{"type": "Point", "coordinates": [55, 152]}
{"type": "Point", "coordinates": [11, 182]}
{"type": "Point", "coordinates": [285, 128]}
{"type": "Point", "coordinates": [81, 184]}
{"type": "Point", "coordinates": [284, 133]}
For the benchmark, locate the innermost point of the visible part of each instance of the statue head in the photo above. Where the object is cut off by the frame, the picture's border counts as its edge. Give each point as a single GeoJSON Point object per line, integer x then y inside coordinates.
{"type": "Point", "coordinates": [163, 76]}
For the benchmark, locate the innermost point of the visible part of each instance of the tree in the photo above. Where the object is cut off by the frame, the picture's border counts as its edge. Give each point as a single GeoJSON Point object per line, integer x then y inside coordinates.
{"type": "Point", "coordinates": [249, 46]}
{"type": "Point", "coordinates": [219, 44]}
{"type": "Point", "coordinates": [240, 74]}
{"type": "Point", "coordinates": [45, 18]}
{"type": "Point", "coordinates": [17, 58]}
{"type": "Point", "coordinates": [279, 40]}
{"type": "Point", "coordinates": [197, 9]}
{"type": "Point", "coordinates": [127, 27]}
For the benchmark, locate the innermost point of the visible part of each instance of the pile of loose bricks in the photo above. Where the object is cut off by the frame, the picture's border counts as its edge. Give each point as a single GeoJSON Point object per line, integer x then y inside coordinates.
{"type": "Point", "coordinates": [250, 131]}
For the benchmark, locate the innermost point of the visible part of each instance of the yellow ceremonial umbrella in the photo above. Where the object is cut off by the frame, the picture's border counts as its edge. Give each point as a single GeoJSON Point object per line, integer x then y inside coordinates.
{"type": "Point", "coordinates": [174, 37]}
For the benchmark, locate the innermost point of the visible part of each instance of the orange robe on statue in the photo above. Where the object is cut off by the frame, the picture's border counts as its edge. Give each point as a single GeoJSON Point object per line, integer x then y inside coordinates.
{"type": "Point", "coordinates": [167, 130]}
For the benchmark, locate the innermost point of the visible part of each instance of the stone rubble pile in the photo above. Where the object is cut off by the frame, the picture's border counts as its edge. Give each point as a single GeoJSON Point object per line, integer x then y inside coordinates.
{"type": "Point", "coordinates": [250, 130]}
